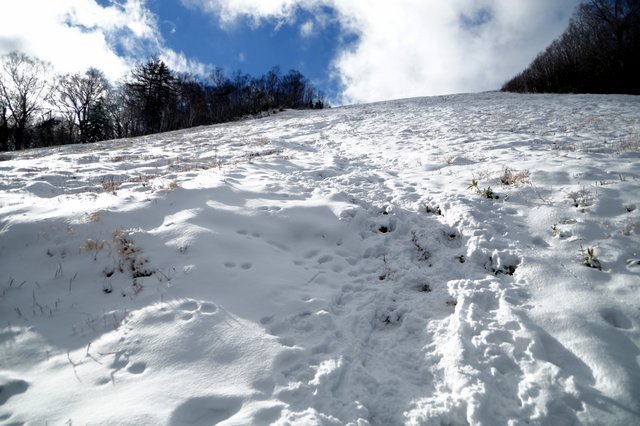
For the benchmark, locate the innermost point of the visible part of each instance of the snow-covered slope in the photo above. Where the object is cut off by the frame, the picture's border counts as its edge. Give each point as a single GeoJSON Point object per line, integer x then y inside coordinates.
{"type": "Point", "coordinates": [345, 266]}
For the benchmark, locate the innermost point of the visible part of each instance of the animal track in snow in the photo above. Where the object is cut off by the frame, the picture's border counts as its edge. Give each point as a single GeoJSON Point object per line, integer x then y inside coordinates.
{"type": "Point", "coordinates": [193, 307]}
{"type": "Point", "coordinates": [205, 410]}
{"type": "Point", "coordinates": [311, 254]}
{"type": "Point", "coordinates": [189, 306]}
{"type": "Point", "coordinates": [10, 387]}
{"type": "Point", "coordinates": [245, 265]}
{"type": "Point", "coordinates": [208, 308]}
{"type": "Point", "coordinates": [616, 319]}
{"type": "Point", "coordinates": [269, 208]}
{"type": "Point", "coordinates": [137, 367]}
{"type": "Point", "coordinates": [633, 264]}
{"type": "Point", "coordinates": [102, 381]}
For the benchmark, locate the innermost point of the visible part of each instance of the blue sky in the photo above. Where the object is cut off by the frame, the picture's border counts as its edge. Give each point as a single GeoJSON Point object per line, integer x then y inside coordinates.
{"type": "Point", "coordinates": [253, 48]}
{"type": "Point", "coordinates": [353, 50]}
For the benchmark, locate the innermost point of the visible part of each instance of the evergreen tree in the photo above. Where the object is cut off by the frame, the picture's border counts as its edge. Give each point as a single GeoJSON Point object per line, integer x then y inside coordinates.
{"type": "Point", "coordinates": [99, 124]}
{"type": "Point", "coordinates": [151, 95]}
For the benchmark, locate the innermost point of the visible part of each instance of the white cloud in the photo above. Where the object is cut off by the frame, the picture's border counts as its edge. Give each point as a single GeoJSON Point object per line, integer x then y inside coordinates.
{"type": "Point", "coordinates": [306, 29]}
{"type": "Point", "coordinates": [422, 47]}
{"type": "Point", "coordinates": [404, 48]}
{"type": "Point", "coordinates": [77, 34]}
{"type": "Point", "coordinates": [228, 11]}
{"type": "Point", "coordinates": [178, 62]}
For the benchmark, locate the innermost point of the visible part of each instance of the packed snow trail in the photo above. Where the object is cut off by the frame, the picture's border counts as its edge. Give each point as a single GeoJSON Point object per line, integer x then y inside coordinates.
{"type": "Point", "coordinates": [332, 267]}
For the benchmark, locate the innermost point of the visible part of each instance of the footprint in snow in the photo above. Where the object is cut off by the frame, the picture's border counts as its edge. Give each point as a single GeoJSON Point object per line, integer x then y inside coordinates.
{"type": "Point", "coordinates": [311, 254]}
{"type": "Point", "coordinates": [102, 381]}
{"type": "Point", "coordinates": [633, 264]}
{"type": "Point", "coordinates": [137, 367]}
{"type": "Point", "coordinates": [269, 208]}
{"type": "Point", "coordinates": [10, 387]}
{"type": "Point", "coordinates": [616, 319]}
{"type": "Point", "coordinates": [192, 307]}
{"type": "Point", "coordinates": [208, 308]}
{"type": "Point", "coordinates": [189, 306]}
{"type": "Point", "coordinates": [205, 410]}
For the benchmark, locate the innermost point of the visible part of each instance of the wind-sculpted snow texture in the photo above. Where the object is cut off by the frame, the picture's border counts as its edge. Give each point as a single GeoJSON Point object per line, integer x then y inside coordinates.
{"type": "Point", "coordinates": [331, 267]}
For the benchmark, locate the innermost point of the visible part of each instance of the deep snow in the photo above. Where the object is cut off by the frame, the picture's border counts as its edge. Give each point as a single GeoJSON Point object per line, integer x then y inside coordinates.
{"type": "Point", "coordinates": [331, 267]}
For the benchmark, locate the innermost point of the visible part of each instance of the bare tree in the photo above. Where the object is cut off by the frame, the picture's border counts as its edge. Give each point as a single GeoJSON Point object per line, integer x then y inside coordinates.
{"type": "Point", "coordinates": [77, 94]}
{"type": "Point", "coordinates": [23, 89]}
{"type": "Point", "coordinates": [4, 127]}
{"type": "Point", "coordinates": [599, 53]}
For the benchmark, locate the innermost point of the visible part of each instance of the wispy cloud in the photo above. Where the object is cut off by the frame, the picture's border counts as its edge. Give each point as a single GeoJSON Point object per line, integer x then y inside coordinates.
{"type": "Point", "coordinates": [228, 11]}
{"type": "Point", "coordinates": [420, 47]}
{"type": "Point", "coordinates": [179, 62]}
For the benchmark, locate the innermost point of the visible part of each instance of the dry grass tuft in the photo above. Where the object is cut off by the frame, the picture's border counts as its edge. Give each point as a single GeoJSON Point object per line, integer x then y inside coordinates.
{"type": "Point", "coordinates": [96, 216]}
{"type": "Point", "coordinates": [511, 178]}
{"type": "Point", "coordinates": [171, 186]}
{"type": "Point", "coordinates": [450, 159]}
{"type": "Point", "coordinates": [110, 185]}
{"type": "Point", "coordinates": [630, 142]}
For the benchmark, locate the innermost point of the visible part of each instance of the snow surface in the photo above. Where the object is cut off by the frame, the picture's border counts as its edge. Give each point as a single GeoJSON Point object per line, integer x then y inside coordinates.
{"type": "Point", "coordinates": [331, 267]}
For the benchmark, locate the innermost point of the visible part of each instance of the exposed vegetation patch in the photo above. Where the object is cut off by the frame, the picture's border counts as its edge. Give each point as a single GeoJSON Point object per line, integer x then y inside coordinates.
{"type": "Point", "coordinates": [514, 178]}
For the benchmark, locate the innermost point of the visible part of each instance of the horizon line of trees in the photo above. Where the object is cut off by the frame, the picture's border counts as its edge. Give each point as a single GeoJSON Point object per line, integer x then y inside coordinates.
{"type": "Point", "coordinates": [599, 52]}
{"type": "Point", "coordinates": [38, 110]}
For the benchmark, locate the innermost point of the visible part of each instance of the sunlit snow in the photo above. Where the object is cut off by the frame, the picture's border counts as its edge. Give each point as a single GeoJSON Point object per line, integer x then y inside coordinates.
{"type": "Point", "coordinates": [468, 259]}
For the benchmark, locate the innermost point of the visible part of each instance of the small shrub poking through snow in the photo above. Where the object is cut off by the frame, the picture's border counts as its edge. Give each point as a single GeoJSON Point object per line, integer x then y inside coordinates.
{"type": "Point", "coordinates": [630, 142]}
{"type": "Point", "coordinates": [627, 226]}
{"type": "Point", "coordinates": [95, 246]}
{"type": "Point", "coordinates": [130, 256]}
{"type": "Point", "coordinates": [580, 199]}
{"type": "Point", "coordinates": [511, 178]}
{"type": "Point", "coordinates": [430, 209]}
{"type": "Point", "coordinates": [474, 186]}
{"type": "Point", "coordinates": [485, 193]}
{"type": "Point", "coordinates": [170, 186]}
{"type": "Point", "coordinates": [110, 185]}
{"type": "Point", "coordinates": [589, 258]}
{"type": "Point", "coordinates": [423, 252]}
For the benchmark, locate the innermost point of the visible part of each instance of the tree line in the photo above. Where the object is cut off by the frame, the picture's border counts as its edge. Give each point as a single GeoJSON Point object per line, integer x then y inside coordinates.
{"type": "Point", "coordinates": [599, 52]}
{"type": "Point", "coordinates": [38, 109]}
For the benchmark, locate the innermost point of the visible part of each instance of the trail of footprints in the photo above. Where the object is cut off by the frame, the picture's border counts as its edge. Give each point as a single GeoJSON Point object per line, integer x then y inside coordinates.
{"type": "Point", "coordinates": [388, 283]}
{"type": "Point", "coordinates": [122, 360]}
{"type": "Point", "coordinates": [402, 251]}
